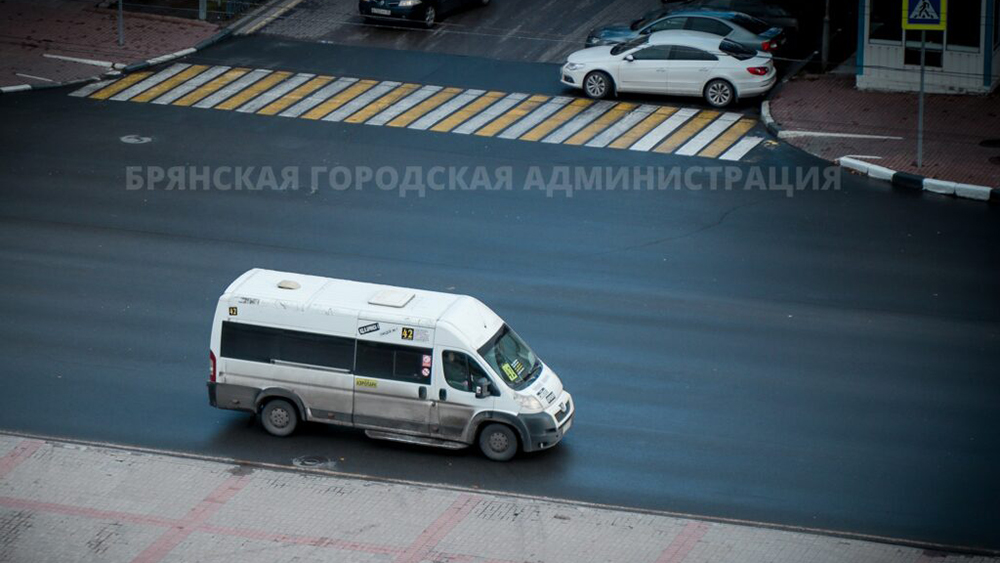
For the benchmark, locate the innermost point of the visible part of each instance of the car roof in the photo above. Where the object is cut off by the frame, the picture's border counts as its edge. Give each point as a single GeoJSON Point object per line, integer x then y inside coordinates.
{"type": "Point", "coordinates": [700, 39]}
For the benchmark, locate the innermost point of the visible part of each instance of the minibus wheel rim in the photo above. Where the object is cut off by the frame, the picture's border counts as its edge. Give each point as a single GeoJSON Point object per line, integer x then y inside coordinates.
{"type": "Point", "coordinates": [279, 417]}
{"type": "Point", "coordinates": [499, 442]}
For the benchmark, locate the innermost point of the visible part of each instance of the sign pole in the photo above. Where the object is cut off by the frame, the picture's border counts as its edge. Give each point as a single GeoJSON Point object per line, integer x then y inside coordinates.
{"type": "Point", "coordinates": [121, 25]}
{"type": "Point", "coordinates": [920, 110]}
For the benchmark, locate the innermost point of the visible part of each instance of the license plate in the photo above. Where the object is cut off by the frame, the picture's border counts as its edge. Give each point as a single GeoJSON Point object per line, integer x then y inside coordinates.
{"type": "Point", "coordinates": [381, 12]}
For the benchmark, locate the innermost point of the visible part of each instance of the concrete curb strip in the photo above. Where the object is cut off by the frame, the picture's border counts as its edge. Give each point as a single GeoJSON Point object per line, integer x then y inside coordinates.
{"type": "Point", "coordinates": [913, 182]}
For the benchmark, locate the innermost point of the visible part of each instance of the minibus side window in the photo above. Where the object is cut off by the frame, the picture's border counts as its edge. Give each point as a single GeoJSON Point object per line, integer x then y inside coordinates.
{"type": "Point", "coordinates": [264, 344]}
{"type": "Point", "coordinates": [390, 361]}
{"type": "Point", "coordinates": [461, 371]}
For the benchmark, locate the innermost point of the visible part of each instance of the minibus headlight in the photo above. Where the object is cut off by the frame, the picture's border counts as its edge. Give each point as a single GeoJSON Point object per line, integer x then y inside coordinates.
{"type": "Point", "coordinates": [530, 403]}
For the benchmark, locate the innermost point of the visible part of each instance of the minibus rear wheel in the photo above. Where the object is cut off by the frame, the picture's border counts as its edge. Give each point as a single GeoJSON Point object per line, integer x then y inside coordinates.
{"type": "Point", "coordinates": [279, 417]}
{"type": "Point", "coordinates": [498, 442]}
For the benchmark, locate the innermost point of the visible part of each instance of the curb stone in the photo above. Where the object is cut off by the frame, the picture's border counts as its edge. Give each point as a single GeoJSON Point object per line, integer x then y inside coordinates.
{"type": "Point", "coordinates": [915, 183]}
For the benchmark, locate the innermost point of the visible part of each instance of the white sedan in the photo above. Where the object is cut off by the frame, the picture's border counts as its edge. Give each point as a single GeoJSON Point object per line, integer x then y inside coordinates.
{"type": "Point", "coordinates": [678, 62]}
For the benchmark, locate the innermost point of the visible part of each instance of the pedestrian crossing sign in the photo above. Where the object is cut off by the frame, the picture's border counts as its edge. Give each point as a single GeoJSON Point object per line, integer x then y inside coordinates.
{"type": "Point", "coordinates": [925, 14]}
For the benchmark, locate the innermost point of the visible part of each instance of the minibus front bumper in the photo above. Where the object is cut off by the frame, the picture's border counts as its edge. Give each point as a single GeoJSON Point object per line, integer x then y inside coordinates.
{"type": "Point", "coordinates": [546, 429]}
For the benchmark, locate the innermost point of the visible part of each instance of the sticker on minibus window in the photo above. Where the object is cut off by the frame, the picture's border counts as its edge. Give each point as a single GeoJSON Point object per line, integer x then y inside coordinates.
{"type": "Point", "coordinates": [427, 361]}
{"type": "Point", "coordinates": [511, 374]}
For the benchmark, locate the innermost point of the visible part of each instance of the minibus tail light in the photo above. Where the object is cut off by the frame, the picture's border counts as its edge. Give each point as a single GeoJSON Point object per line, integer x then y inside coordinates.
{"type": "Point", "coordinates": [211, 373]}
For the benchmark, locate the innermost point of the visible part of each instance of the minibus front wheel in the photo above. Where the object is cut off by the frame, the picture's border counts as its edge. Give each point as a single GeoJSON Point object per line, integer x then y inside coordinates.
{"type": "Point", "coordinates": [498, 442]}
{"type": "Point", "coordinates": [279, 417]}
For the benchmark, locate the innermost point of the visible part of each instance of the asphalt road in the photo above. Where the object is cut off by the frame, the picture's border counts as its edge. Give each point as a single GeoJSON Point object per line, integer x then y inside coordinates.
{"type": "Point", "coordinates": [824, 360]}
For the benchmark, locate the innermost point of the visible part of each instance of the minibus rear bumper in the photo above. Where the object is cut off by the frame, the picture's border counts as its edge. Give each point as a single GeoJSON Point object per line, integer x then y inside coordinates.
{"type": "Point", "coordinates": [232, 397]}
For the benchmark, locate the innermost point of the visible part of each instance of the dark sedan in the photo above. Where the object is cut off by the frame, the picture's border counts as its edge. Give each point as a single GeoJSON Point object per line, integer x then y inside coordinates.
{"type": "Point", "coordinates": [425, 12]}
{"type": "Point", "coordinates": [740, 28]}
{"type": "Point", "coordinates": [768, 11]}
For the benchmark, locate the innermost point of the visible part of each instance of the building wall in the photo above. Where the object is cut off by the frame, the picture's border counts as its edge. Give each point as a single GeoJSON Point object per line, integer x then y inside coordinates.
{"type": "Point", "coordinates": [962, 70]}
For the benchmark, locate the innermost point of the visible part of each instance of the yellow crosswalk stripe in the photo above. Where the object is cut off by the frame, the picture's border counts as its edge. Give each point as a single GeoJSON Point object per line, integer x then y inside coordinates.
{"type": "Point", "coordinates": [327, 107]}
{"type": "Point", "coordinates": [730, 136]}
{"type": "Point", "coordinates": [423, 107]}
{"type": "Point", "coordinates": [467, 112]}
{"type": "Point", "coordinates": [170, 83]}
{"type": "Point", "coordinates": [600, 124]}
{"type": "Point", "coordinates": [512, 115]}
{"type": "Point", "coordinates": [211, 86]}
{"type": "Point", "coordinates": [382, 103]}
{"type": "Point", "coordinates": [282, 103]}
{"type": "Point", "coordinates": [640, 129]}
{"type": "Point", "coordinates": [114, 88]}
{"type": "Point", "coordinates": [695, 124]}
{"type": "Point", "coordinates": [254, 90]}
{"type": "Point", "coordinates": [562, 116]}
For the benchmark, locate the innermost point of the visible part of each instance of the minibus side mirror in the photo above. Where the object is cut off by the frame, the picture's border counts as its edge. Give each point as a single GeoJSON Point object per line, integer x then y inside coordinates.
{"type": "Point", "coordinates": [483, 388]}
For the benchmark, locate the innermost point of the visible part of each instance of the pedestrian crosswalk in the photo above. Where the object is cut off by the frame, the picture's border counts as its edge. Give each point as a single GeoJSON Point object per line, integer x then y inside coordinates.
{"type": "Point", "coordinates": [511, 116]}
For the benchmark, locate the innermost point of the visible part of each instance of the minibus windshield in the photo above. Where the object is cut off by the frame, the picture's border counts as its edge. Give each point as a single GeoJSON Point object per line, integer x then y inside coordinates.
{"type": "Point", "coordinates": [511, 358]}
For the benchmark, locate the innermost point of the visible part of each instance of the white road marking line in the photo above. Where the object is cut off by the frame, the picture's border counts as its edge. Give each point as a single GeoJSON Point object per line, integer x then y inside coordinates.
{"type": "Point", "coordinates": [708, 134]}
{"type": "Point", "coordinates": [621, 126]}
{"type": "Point", "coordinates": [389, 113]}
{"type": "Point", "coordinates": [274, 93]}
{"type": "Point", "coordinates": [92, 62]}
{"type": "Point", "coordinates": [579, 122]}
{"type": "Point", "coordinates": [317, 97]}
{"type": "Point", "coordinates": [190, 85]}
{"type": "Point", "coordinates": [91, 88]}
{"type": "Point", "coordinates": [232, 88]}
{"type": "Point", "coordinates": [740, 149]}
{"type": "Point", "coordinates": [373, 93]}
{"type": "Point", "coordinates": [489, 114]}
{"type": "Point", "coordinates": [33, 77]}
{"type": "Point", "coordinates": [650, 139]}
{"type": "Point", "coordinates": [534, 118]}
{"type": "Point", "coordinates": [453, 105]}
{"type": "Point", "coordinates": [148, 83]}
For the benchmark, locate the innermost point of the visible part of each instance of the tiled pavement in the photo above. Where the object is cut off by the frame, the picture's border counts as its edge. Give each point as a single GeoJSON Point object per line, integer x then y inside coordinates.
{"type": "Point", "coordinates": [69, 502]}
{"type": "Point", "coordinates": [548, 119]}
{"type": "Point", "coordinates": [954, 128]}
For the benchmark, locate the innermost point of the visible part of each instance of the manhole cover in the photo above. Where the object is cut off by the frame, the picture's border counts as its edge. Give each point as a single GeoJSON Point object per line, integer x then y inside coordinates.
{"type": "Point", "coordinates": [313, 461]}
{"type": "Point", "coordinates": [990, 143]}
{"type": "Point", "coordinates": [135, 139]}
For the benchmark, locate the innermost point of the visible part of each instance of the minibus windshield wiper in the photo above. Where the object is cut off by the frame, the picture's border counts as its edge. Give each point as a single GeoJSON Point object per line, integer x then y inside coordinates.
{"type": "Point", "coordinates": [534, 369]}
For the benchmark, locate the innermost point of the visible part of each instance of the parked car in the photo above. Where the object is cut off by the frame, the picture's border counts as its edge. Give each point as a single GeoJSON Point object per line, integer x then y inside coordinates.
{"type": "Point", "coordinates": [771, 13]}
{"type": "Point", "coordinates": [735, 26]}
{"type": "Point", "coordinates": [678, 62]}
{"type": "Point", "coordinates": [426, 12]}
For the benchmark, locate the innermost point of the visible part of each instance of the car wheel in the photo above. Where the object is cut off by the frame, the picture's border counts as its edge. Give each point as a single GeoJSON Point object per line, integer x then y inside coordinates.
{"type": "Point", "coordinates": [430, 16]}
{"type": "Point", "coordinates": [597, 85]}
{"type": "Point", "coordinates": [279, 417]}
{"type": "Point", "coordinates": [498, 442]}
{"type": "Point", "coordinates": [719, 93]}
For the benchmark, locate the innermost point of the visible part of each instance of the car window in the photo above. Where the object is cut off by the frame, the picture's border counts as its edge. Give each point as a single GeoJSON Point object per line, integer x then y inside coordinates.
{"type": "Point", "coordinates": [736, 50]}
{"type": "Point", "coordinates": [753, 25]}
{"type": "Point", "coordinates": [708, 25]}
{"type": "Point", "coordinates": [684, 53]}
{"type": "Point", "coordinates": [654, 53]}
{"type": "Point", "coordinates": [629, 45]}
{"type": "Point", "coordinates": [666, 24]}
{"type": "Point", "coordinates": [460, 371]}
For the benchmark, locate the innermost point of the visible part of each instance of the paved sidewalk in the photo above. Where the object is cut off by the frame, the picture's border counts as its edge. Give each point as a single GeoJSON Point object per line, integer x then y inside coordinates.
{"type": "Point", "coordinates": [69, 502]}
{"type": "Point", "coordinates": [32, 29]}
{"type": "Point", "coordinates": [954, 127]}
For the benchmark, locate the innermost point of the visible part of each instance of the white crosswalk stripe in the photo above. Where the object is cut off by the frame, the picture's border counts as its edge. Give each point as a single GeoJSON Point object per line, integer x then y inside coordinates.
{"type": "Point", "coordinates": [317, 97]}
{"type": "Point", "coordinates": [662, 130]}
{"type": "Point", "coordinates": [91, 88]}
{"type": "Point", "coordinates": [741, 148]}
{"type": "Point", "coordinates": [579, 122]}
{"type": "Point", "coordinates": [621, 126]}
{"type": "Point", "coordinates": [708, 134]}
{"type": "Point", "coordinates": [148, 83]}
{"type": "Point", "coordinates": [190, 86]}
{"type": "Point", "coordinates": [489, 114]}
{"type": "Point", "coordinates": [534, 118]}
{"type": "Point", "coordinates": [403, 105]}
{"type": "Point", "coordinates": [373, 93]}
{"type": "Point", "coordinates": [232, 88]}
{"type": "Point", "coordinates": [274, 93]}
{"type": "Point", "coordinates": [453, 105]}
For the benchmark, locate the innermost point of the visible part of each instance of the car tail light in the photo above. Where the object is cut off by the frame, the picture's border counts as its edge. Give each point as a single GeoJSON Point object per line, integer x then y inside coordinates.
{"type": "Point", "coordinates": [211, 359]}
{"type": "Point", "coordinates": [757, 70]}
{"type": "Point", "coordinates": [768, 46]}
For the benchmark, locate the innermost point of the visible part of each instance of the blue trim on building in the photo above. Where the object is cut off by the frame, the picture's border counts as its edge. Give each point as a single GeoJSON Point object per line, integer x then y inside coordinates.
{"type": "Point", "coordinates": [988, 46]}
{"type": "Point", "coordinates": [859, 60]}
